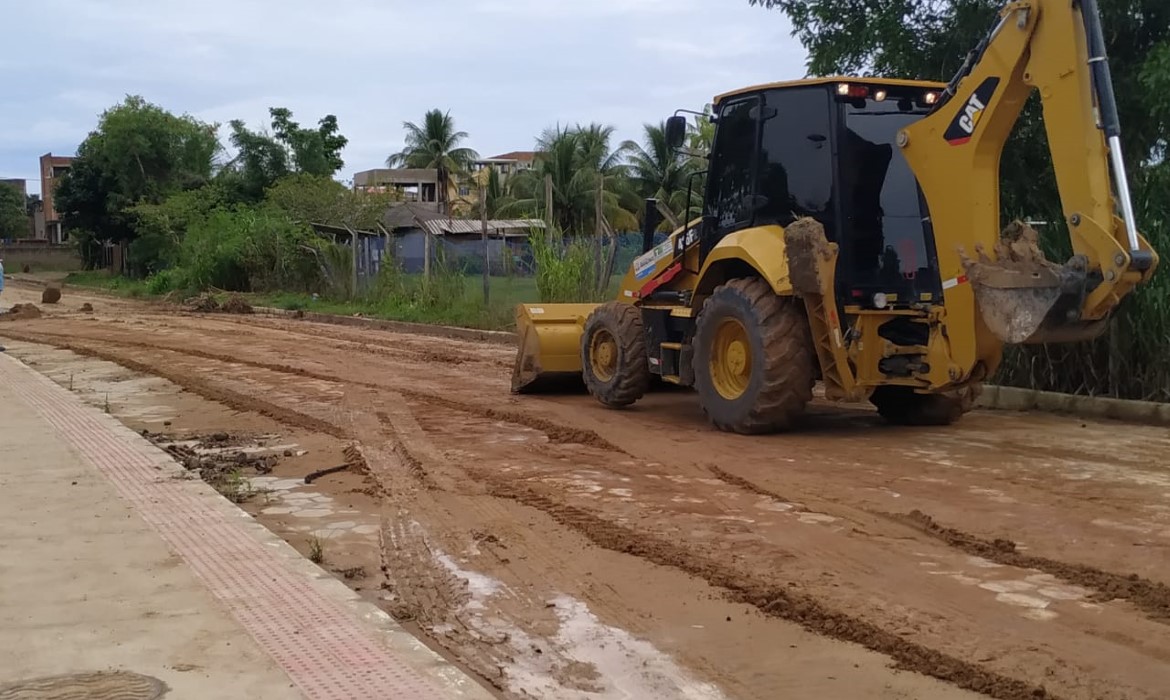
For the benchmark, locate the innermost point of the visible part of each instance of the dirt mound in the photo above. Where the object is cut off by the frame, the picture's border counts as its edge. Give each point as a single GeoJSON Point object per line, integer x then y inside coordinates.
{"type": "Point", "coordinates": [21, 312]}
{"type": "Point", "coordinates": [51, 295]}
{"type": "Point", "coordinates": [204, 303]}
{"type": "Point", "coordinates": [236, 305]}
{"type": "Point", "coordinates": [207, 303]}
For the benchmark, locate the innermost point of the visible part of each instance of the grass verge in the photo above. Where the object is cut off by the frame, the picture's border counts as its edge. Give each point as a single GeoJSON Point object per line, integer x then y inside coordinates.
{"type": "Point", "coordinates": [468, 310]}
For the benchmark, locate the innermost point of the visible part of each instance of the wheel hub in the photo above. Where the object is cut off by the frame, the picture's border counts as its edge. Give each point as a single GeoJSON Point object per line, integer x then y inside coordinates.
{"type": "Point", "coordinates": [603, 355]}
{"type": "Point", "coordinates": [731, 359]}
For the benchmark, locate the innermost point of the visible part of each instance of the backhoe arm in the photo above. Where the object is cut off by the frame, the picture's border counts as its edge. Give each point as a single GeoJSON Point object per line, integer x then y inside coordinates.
{"type": "Point", "coordinates": [1055, 47]}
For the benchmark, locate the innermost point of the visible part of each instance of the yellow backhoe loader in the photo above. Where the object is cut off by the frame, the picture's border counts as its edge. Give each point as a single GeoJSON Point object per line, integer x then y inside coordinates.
{"type": "Point", "coordinates": [851, 233]}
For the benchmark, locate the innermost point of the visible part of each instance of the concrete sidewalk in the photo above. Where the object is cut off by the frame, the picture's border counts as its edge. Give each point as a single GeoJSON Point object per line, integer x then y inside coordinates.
{"type": "Point", "coordinates": [111, 560]}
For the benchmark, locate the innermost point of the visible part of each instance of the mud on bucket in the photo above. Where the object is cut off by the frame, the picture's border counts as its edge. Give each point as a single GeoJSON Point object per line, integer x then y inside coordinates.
{"type": "Point", "coordinates": [1023, 297]}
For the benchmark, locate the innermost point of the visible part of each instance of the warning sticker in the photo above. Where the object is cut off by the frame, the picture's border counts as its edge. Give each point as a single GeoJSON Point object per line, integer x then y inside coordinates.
{"type": "Point", "coordinates": [645, 264]}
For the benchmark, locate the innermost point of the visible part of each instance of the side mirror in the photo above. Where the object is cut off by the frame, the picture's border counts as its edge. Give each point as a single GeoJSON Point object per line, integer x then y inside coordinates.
{"type": "Point", "coordinates": [676, 132]}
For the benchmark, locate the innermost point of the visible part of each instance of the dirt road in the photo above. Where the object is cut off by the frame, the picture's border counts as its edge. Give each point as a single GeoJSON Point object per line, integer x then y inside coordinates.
{"type": "Point", "coordinates": [562, 550]}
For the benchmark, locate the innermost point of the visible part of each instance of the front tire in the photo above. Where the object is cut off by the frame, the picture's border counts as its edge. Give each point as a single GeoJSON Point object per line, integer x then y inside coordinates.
{"type": "Point", "coordinates": [754, 358]}
{"type": "Point", "coordinates": [614, 362]}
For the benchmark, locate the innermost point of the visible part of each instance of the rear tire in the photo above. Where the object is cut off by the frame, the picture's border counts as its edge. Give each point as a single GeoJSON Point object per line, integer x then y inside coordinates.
{"type": "Point", "coordinates": [614, 362]}
{"type": "Point", "coordinates": [754, 358]}
{"type": "Point", "coordinates": [899, 405]}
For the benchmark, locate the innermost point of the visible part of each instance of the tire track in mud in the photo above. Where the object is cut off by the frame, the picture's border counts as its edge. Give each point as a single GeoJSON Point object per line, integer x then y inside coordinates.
{"type": "Point", "coordinates": [778, 601]}
{"type": "Point", "coordinates": [1151, 597]}
{"type": "Point", "coordinates": [232, 399]}
{"type": "Point", "coordinates": [421, 590]}
{"type": "Point", "coordinates": [742, 483]}
{"type": "Point", "coordinates": [555, 432]}
{"type": "Point", "coordinates": [771, 599]}
{"type": "Point", "coordinates": [349, 341]}
{"type": "Point", "coordinates": [459, 511]}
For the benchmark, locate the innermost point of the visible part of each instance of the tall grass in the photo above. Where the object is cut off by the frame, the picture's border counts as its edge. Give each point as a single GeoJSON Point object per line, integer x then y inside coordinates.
{"type": "Point", "coordinates": [564, 269]}
{"type": "Point", "coordinates": [1130, 361]}
{"type": "Point", "coordinates": [1132, 358]}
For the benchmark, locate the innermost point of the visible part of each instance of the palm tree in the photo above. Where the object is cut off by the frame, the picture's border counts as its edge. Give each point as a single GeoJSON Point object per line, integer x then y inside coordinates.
{"type": "Point", "coordinates": [496, 193]}
{"type": "Point", "coordinates": [657, 171]}
{"type": "Point", "coordinates": [435, 146]}
{"type": "Point", "coordinates": [575, 159]}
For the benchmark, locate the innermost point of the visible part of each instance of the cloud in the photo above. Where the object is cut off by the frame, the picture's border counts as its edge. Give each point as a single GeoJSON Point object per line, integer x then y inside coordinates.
{"type": "Point", "coordinates": [506, 69]}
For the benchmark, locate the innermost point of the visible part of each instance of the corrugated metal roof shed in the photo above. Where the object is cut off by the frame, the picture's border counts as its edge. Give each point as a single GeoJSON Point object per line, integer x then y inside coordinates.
{"type": "Point", "coordinates": [496, 227]}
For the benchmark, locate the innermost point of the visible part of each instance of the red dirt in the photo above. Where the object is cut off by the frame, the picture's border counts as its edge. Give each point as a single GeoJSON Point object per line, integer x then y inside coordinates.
{"type": "Point", "coordinates": [761, 565]}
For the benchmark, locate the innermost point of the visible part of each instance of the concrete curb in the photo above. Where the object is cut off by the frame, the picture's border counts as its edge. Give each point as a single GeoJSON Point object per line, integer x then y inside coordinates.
{"type": "Point", "coordinates": [329, 640]}
{"type": "Point", "coordinates": [1005, 398]}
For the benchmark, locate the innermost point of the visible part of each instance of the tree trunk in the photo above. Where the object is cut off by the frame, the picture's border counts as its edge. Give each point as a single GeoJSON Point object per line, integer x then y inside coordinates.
{"type": "Point", "coordinates": [668, 215]}
{"type": "Point", "coordinates": [353, 245]}
{"type": "Point", "coordinates": [611, 259]}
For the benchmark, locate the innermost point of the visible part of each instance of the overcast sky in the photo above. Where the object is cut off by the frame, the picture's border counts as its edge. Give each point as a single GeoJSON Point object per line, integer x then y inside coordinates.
{"type": "Point", "coordinates": [505, 68]}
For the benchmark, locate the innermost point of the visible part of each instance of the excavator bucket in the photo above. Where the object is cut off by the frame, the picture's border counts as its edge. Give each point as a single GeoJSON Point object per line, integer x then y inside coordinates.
{"type": "Point", "coordinates": [1026, 299]}
{"type": "Point", "coordinates": [549, 355]}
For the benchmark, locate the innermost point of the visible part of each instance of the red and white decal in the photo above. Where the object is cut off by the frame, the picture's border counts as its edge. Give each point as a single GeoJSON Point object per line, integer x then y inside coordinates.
{"type": "Point", "coordinates": [954, 282]}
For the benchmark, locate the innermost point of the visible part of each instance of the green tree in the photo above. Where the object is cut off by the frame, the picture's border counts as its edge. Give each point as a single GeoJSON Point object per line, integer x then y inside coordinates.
{"type": "Point", "coordinates": [435, 145]}
{"type": "Point", "coordinates": [13, 216]}
{"type": "Point", "coordinates": [138, 154]}
{"type": "Point", "coordinates": [930, 40]}
{"type": "Point", "coordinates": [160, 228]}
{"type": "Point", "coordinates": [658, 171]}
{"type": "Point", "coordinates": [317, 199]}
{"type": "Point", "coordinates": [259, 162]}
{"type": "Point", "coordinates": [262, 159]}
{"type": "Point", "coordinates": [313, 151]}
{"type": "Point", "coordinates": [575, 159]}
{"type": "Point", "coordinates": [497, 194]}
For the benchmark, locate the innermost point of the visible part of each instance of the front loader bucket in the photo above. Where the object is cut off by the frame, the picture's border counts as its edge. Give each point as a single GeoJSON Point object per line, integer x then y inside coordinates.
{"type": "Point", "coordinates": [548, 358]}
{"type": "Point", "coordinates": [1026, 299]}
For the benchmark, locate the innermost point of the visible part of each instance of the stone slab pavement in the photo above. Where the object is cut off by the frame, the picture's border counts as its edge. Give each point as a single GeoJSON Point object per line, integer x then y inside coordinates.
{"type": "Point", "coordinates": [112, 560]}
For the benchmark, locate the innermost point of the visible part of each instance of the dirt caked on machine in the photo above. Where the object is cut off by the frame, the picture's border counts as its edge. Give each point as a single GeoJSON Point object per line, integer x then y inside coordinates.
{"type": "Point", "coordinates": [850, 233]}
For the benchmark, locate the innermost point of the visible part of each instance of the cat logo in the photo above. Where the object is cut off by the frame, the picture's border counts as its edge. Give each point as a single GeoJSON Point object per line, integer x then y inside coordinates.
{"type": "Point", "coordinates": [967, 120]}
{"type": "Point", "coordinates": [970, 118]}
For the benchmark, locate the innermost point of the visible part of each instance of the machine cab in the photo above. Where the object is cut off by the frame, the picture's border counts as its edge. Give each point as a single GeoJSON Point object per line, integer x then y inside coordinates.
{"type": "Point", "coordinates": [827, 149]}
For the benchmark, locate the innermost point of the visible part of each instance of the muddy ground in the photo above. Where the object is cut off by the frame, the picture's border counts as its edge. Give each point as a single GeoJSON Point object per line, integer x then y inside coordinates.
{"type": "Point", "coordinates": [560, 550]}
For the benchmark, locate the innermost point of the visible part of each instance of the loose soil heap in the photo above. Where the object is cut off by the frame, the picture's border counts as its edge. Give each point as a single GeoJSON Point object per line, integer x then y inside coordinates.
{"type": "Point", "coordinates": [21, 312]}
{"type": "Point", "coordinates": [236, 305]}
{"type": "Point", "coordinates": [206, 303]}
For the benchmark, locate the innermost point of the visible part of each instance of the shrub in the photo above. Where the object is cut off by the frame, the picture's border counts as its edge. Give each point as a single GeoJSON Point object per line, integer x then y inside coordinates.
{"type": "Point", "coordinates": [163, 281]}
{"type": "Point", "coordinates": [246, 249]}
{"type": "Point", "coordinates": [564, 271]}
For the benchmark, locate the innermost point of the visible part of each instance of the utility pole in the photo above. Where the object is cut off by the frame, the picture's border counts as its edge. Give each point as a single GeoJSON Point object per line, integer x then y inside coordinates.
{"type": "Point", "coordinates": [353, 249]}
{"type": "Point", "coordinates": [487, 280]}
